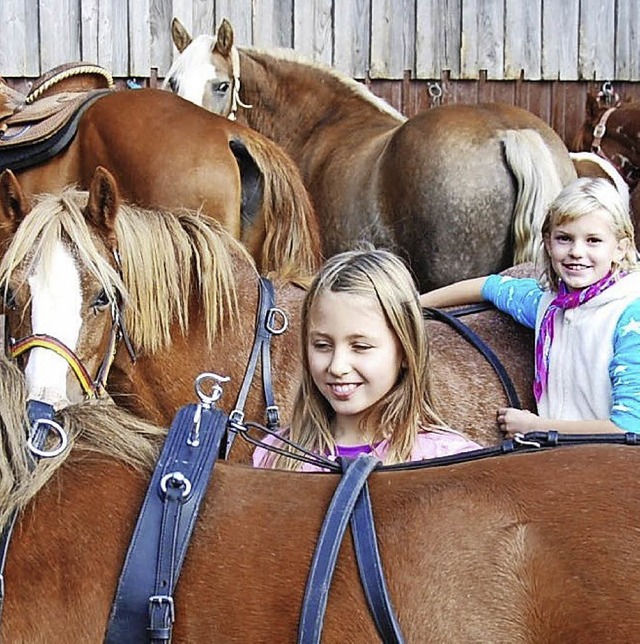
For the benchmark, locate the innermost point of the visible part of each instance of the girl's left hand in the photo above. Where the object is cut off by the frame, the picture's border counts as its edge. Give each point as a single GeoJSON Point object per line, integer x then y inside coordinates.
{"type": "Point", "coordinates": [516, 421]}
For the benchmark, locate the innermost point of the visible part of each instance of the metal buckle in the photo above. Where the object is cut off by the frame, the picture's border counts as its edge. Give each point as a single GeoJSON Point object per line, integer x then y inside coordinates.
{"type": "Point", "coordinates": [163, 599]}
{"type": "Point", "coordinates": [273, 416]}
{"type": "Point", "coordinates": [236, 416]}
{"type": "Point", "coordinates": [599, 130]}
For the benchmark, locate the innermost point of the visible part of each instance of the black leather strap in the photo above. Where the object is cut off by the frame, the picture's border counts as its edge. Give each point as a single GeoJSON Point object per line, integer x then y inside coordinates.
{"type": "Point", "coordinates": [365, 542]}
{"type": "Point", "coordinates": [326, 553]}
{"type": "Point", "coordinates": [143, 606]}
{"type": "Point", "coordinates": [36, 411]}
{"type": "Point", "coordinates": [266, 326]}
{"type": "Point", "coordinates": [476, 341]}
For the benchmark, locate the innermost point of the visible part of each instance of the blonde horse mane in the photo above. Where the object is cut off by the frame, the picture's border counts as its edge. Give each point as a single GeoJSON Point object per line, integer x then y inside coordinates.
{"type": "Point", "coordinates": [538, 184]}
{"type": "Point", "coordinates": [358, 89]}
{"type": "Point", "coordinates": [168, 258]}
{"type": "Point", "coordinates": [94, 428]}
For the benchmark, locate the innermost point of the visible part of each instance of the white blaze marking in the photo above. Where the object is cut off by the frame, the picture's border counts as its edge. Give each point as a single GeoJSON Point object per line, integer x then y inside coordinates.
{"type": "Point", "coordinates": [56, 301]}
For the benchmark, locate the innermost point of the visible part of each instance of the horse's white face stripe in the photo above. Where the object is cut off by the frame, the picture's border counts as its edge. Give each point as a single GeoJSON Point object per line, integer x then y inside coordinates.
{"type": "Point", "coordinates": [56, 301]}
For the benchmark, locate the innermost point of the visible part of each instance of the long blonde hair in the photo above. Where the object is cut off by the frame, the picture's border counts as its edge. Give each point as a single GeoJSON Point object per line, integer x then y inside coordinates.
{"type": "Point", "coordinates": [408, 406]}
{"type": "Point", "coordinates": [583, 197]}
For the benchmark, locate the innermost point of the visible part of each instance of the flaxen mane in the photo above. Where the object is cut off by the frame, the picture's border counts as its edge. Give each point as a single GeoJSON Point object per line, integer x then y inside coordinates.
{"type": "Point", "coordinates": [164, 256]}
{"type": "Point", "coordinates": [94, 427]}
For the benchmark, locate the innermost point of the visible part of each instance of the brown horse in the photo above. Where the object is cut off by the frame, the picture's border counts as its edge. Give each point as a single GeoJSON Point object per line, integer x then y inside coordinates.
{"type": "Point", "coordinates": [612, 131]}
{"type": "Point", "coordinates": [518, 548]}
{"type": "Point", "coordinates": [191, 295]}
{"type": "Point", "coordinates": [460, 190]}
{"type": "Point", "coordinates": [167, 154]}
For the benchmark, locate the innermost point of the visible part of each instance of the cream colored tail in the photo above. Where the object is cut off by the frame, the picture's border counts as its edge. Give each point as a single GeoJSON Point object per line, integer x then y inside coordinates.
{"type": "Point", "coordinates": [538, 183]}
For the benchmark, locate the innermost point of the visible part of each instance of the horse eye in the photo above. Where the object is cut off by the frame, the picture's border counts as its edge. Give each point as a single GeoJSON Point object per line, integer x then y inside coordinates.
{"type": "Point", "coordinates": [223, 87]}
{"type": "Point", "coordinates": [102, 300]}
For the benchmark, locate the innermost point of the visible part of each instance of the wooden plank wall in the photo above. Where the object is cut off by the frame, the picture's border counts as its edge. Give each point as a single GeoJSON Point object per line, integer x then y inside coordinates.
{"type": "Point", "coordinates": [541, 54]}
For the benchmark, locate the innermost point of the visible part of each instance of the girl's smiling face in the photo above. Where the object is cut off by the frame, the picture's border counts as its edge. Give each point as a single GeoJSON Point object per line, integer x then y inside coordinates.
{"type": "Point", "coordinates": [583, 250]}
{"type": "Point", "coordinates": [354, 357]}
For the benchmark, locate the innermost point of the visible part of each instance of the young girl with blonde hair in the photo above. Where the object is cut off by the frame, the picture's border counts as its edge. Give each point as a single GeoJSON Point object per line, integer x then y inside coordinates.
{"type": "Point", "coordinates": [585, 310]}
{"type": "Point", "coordinates": [365, 383]}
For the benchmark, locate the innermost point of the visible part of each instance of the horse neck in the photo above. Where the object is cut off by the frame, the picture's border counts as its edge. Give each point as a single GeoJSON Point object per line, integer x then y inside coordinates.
{"type": "Point", "coordinates": [293, 102]}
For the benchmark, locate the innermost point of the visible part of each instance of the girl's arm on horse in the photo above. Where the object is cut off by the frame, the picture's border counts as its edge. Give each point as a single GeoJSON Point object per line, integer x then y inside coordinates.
{"type": "Point", "coordinates": [520, 421]}
{"type": "Point", "coordinates": [457, 294]}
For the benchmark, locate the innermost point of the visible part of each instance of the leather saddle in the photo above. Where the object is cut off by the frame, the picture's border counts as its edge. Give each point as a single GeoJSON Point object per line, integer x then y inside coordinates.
{"type": "Point", "coordinates": [37, 126]}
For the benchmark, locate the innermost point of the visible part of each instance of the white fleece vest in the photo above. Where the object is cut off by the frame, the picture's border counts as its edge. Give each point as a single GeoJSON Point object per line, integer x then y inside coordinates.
{"type": "Point", "coordinates": [579, 387]}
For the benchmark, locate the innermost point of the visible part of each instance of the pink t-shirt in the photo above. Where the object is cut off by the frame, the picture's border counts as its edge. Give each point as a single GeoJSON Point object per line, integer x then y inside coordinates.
{"type": "Point", "coordinates": [430, 444]}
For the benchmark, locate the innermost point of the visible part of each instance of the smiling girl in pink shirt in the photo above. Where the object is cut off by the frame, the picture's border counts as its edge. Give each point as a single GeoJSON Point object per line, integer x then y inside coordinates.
{"type": "Point", "coordinates": [365, 385]}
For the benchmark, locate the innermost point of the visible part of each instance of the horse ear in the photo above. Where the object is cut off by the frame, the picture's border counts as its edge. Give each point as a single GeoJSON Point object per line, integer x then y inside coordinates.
{"type": "Point", "coordinates": [14, 205]}
{"type": "Point", "coordinates": [224, 43]}
{"type": "Point", "coordinates": [103, 204]}
{"type": "Point", "coordinates": [179, 35]}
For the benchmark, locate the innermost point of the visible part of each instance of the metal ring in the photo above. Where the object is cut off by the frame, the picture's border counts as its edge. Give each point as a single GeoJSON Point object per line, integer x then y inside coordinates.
{"type": "Point", "coordinates": [599, 130]}
{"type": "Point", "coordinates": [435, 91]}
{"type": "Point", "coordinates": [64, 439]}
{"type": "Point", "coordinates": [182, 480]}
{"type": "Point", "coordinates": [272, 316]}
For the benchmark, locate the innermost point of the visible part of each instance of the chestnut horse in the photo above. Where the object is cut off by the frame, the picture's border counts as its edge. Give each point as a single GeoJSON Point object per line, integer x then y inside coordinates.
{"type": "Point", "coordinates": [612, 131]}
{"type": "Point", "coordinates": [530, 547]}
{"type": "Point", "coordinates": [191, 296]}
{"type": "Point", "coordinates": [460, 190]}
{"type": "Point", "coordinates": [167, 154]}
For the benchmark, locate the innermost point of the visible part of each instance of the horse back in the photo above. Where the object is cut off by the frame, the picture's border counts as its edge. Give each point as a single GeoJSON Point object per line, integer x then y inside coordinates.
{"type": "Point", "coordinates": [514, 548]}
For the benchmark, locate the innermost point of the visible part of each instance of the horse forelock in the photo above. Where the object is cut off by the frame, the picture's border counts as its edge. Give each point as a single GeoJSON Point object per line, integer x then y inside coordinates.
{"type": "Point", "coordinates": [289, 58]}
{"type": "Point", "coordinates": [57, 219]}
{"type": "Point", "coordinates": [170, 261]}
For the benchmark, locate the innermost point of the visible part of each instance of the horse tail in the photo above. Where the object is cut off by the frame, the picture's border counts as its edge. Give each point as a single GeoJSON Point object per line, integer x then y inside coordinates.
{"type": "Point", "coordinates": [538, 181]}
{"type": "Point", "coordinates": [287, 228]}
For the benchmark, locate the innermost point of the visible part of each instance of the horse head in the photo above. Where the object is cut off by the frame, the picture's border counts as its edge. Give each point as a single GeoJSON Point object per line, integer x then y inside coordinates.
{"type": "Point", "coordinates": [61, 286]}
{"type": "Point", "coordinates": [207, 70]}
{"type": "Point", "coordinates": [612, 132]}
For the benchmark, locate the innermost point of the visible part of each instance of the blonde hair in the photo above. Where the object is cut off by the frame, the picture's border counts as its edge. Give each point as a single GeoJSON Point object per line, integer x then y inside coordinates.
{"type": "Point", "coordinates": [403, 411]}
{"type": "Point", "coordinates": [583, 197]}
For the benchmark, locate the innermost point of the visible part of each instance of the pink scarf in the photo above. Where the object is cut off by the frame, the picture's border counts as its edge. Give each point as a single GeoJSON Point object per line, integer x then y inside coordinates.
{"type": "Point", "coordinates": [564, 300]}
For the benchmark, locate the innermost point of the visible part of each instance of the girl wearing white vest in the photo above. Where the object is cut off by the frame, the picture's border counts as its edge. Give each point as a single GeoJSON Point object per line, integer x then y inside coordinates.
{"type": "Point", "coordinates": [585, 310]}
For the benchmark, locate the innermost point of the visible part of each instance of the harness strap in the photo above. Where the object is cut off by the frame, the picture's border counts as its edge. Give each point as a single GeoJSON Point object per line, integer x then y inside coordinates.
{"type": "Point", "coordinates": [143, 605]}
{"type": "Point", "coordinates": [600, 130]}
{"type": "Point", "coordinates": [363, 530]}
{"type": "Point", "coordinates": [326, 553]}
{"type": "Point", "coordinates": [266, 327]}
{"type": "Point", "coordinates": [36, 412]}
{"type": "Point", "coordinates": [475, 340]}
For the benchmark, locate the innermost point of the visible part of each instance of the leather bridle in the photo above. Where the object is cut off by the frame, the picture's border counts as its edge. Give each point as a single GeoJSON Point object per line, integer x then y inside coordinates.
{"type": "Point", "coordinates": [92, 387]}
{"type": "Point", "coordinates": [236, 101]}
{"type": "Point", "coordinates": [628, 171]}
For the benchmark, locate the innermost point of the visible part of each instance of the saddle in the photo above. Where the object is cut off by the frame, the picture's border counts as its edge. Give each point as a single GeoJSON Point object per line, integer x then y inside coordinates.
{"type": "Point", "coordinates": [40, 124]}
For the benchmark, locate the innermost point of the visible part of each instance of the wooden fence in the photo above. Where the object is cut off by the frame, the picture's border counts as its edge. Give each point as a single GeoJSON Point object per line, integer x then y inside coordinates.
{"type": "Point", "coordinates": [541, 54]}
